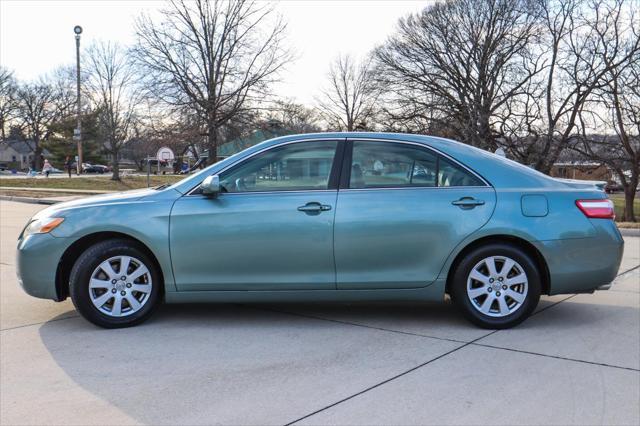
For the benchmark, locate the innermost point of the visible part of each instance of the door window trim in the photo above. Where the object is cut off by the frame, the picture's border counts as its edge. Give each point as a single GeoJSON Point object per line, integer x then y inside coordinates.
{"type": "Point", "coordinates": [334, 174]}
{"type": "Point", "coordinates": [341, 167]}
{"type": "Point", "coordinates": [345, 176]}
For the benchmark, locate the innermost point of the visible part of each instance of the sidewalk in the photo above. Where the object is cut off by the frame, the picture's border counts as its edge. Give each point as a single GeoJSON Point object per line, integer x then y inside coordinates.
{"type": "Point", "coordinates": [46, 200]}
{"type": "Point", "coordinates": [64, 191]}
{"type": "Point", "coordinates": [34, 200]}
{"type": "Point", "coordinates": [575, 361]}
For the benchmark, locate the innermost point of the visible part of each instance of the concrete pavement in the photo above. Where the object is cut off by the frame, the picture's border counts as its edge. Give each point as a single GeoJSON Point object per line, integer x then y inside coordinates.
{"type": "Point", "coordinates": [576, 361]}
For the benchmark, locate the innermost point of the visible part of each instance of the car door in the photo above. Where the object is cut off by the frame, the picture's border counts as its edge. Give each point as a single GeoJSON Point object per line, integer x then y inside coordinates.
{"type": "Point", "coordinates": [402, 209]}
{"type": "Point", "coordinates": [271, 227]}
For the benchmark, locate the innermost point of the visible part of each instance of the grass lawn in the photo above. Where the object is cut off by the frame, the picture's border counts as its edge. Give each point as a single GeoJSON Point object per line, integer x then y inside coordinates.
{"type": "Point", "coordinates": [618, 202]}
{"type": "Point", "coordinates": [90, 183]}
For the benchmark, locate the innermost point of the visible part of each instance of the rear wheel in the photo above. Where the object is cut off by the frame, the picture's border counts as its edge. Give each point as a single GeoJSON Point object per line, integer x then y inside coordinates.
{"type": "Point", "coordinates": [115, 284]}
{"type": "Point", "coordinates": [496, 286]}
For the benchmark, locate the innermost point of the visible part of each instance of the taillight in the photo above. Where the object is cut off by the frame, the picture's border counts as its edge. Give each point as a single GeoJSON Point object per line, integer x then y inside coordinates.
{"type": "Point", "coordinates": [597, 209]}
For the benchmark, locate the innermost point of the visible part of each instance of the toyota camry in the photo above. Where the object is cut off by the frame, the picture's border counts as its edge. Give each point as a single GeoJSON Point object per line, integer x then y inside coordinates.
{"type": "Point", "coordinates": [329, 217]}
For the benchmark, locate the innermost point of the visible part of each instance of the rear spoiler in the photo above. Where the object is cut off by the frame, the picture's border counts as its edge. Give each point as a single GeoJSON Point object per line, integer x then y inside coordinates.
{"type": "Point", "coordinates": [584, 184]}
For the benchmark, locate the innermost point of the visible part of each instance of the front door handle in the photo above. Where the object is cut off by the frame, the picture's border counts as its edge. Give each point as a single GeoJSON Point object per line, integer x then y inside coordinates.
{"type": "Point", "coordinates": [314, 207]}
{"type": "Point", "coordinates": [467, 203]}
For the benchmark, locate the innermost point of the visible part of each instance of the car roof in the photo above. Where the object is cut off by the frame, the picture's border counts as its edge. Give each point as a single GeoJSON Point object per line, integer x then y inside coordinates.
{"type": "Point", "coordinates": [500, 172]}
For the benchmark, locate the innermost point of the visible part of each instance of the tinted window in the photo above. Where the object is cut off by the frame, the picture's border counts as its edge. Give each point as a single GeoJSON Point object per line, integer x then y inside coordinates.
{"type": "Point", "coordinates": [293, 167]}
{"type": "Point", "coordinates": [451, 174]}
{"type": "Point", "coordinates": [384, 164]}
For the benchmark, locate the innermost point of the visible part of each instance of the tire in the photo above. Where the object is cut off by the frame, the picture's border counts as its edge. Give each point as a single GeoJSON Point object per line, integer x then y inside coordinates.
{"type": "Point", "coordinates": [101, 295]}
{"type": "Point", "coordinates": [479, 292]}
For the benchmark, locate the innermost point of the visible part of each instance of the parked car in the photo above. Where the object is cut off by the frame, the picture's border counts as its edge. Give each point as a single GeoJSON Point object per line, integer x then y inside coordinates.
{"type": "Point", "coordinates": [95, 168]}
{"type": "Point", "coordinates": [91, 168]}
{"type": "Point", "coordinates": [613, 187]}
{"type": "Point", "coordinates": [336, 216]}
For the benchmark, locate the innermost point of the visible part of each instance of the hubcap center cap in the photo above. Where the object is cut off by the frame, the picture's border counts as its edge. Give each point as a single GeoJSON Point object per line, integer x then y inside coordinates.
{"type": "Point", "coordinates": [120, 286]}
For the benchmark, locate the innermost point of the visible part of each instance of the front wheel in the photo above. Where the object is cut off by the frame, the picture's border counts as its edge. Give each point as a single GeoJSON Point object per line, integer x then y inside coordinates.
{"type": "Point", "coordinates": [115, 284]}
{"type": "Point", "coordinates": [496, 286]}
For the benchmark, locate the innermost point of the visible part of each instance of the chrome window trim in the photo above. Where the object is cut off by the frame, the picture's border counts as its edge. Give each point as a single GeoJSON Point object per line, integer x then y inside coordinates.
{"type": "Point", "coordinates": [404, 188]}
{"type": "Point", "coordinates": [190, 192]}
{"type": "Point", "coordinates": [352, 139]}
{"type": "Point", "coordinates": [428, 147]}
{"type": "Point", "coordinates": [289, 191]}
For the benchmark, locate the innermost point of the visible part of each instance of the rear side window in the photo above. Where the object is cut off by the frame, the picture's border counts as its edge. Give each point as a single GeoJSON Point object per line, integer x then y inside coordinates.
{"type": "Point", "coordinates": [394, 165]}
{"type": "Point", "coordinates": [451, 174]}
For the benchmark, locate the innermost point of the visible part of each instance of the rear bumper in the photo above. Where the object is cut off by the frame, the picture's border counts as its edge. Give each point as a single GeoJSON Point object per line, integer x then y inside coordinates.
{"type": "Point", "coordinates": [37, 259]}
{"type": "Point", "coordinates": [584, 264]}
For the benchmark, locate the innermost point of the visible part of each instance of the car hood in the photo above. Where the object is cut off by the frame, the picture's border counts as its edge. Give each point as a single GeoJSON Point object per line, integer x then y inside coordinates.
{"type": "Point", "coordinates": [98, 200]}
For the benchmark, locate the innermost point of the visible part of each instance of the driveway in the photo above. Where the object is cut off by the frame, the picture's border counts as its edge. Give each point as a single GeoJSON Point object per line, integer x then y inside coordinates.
{"type": "Point", "coordinates": [576, 361]}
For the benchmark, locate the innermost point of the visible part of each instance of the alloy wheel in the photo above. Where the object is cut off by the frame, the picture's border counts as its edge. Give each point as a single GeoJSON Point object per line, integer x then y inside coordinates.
{"type": "Point", "coordinates": [120, 286]}
{"type": "Point", "coordinates": [497, 286]}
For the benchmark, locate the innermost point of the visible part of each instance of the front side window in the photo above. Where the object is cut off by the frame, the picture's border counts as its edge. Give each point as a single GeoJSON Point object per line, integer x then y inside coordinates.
{"type": "Point", "coordinates": [393, 165]}
{"type": "Point", "coordinates": [295, 167]}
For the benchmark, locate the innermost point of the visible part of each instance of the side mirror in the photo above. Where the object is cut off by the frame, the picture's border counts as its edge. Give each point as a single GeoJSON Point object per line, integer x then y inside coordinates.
{"type": "Point", "coordinates": [211, 185]}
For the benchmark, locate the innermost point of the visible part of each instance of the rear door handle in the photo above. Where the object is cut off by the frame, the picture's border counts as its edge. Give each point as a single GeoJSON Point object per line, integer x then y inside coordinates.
{"type": "Point", "coordinates": [314, 207]}
{"type": "Point", "coordinates": [467, 202]}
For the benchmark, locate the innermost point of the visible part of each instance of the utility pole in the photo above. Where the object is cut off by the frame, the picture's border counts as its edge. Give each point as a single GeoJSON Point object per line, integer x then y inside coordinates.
{"type": "Point", "coordinates": [77, 133]}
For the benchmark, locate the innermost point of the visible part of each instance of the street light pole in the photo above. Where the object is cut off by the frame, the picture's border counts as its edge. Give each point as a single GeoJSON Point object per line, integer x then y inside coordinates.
{"type": "Point", "coordinates": [77, 134]}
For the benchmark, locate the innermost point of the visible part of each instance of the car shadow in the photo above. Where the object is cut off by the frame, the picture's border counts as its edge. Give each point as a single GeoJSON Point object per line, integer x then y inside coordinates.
{"type": "Point", "coordinates": [188, 356]}
{"type": "Point", "coordinates": [215, 356]}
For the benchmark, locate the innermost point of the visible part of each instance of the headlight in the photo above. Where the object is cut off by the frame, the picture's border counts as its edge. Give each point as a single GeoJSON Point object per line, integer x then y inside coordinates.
{"type": "Point", "coordinates": [42, 226]}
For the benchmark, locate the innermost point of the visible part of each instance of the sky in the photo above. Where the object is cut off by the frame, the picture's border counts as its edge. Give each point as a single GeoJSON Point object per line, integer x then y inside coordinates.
{"type": "Point", "coordinates": [36, 36]}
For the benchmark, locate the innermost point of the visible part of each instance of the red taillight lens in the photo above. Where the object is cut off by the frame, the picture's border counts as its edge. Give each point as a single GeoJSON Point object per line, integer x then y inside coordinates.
{"type": "Point", "coordinates": [597, 209]}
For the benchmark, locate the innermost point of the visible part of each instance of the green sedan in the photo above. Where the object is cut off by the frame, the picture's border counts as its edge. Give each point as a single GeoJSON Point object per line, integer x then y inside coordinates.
{"type": "Point", "coordinates": [329, 217]}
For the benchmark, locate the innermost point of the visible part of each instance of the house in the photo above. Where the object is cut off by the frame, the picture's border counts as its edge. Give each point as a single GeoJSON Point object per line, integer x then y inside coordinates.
{"type": "Point", "coordinates": [581, 170]}
{"type": "Point", "coordinates": [17, 154]}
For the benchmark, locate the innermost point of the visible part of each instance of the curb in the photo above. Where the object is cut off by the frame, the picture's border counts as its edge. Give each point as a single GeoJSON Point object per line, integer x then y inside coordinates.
{"type": "Point", "coordinates": [629, 232]}
{"type": "Point", "coordinates": [45, 201]}
{"type": "Point", "coordinates": [56, 190]}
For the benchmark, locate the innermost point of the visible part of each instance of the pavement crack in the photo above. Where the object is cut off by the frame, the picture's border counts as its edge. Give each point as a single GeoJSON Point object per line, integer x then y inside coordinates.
{"type": "Point", "coordinates": [390, 379]}
{"type": "Point", "coordinates": [628, 271]}
{"type": "Point", "coordinates": [556, 357]}
{"type": "Point", "coordinates": [473, 342]}
{"type": "Point", "coordinates": [355, 324]}
{"type": "Point", "coordinates": [38, 323]}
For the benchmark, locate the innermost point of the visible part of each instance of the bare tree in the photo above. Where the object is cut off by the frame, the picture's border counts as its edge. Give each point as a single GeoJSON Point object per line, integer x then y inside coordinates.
{"type": "Point", "coordinates": [40, 105]}
{"type": "Point", "coordinates": [616, 104]}
{"type": "Point", "coordinates": [112, 89]}
{"type": "Point", "coordinates": [349, 101]}
{"type": "Point", "coordinates": [580, 52]}
{"type": "Point", "coordinates": [214, 57]}
{"type": "Point", "coordinates": [294, 117]}
{"type": "Point", "coordinates": [457, 63]}
{"type": "Point", "coordinates": [8, 100]}
{"type": "Point", "coordinates": [624, 94]}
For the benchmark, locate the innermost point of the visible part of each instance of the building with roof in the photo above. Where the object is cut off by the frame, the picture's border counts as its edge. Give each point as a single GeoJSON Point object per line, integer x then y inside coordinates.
{"type": "Point", "coordinates": [17, 154]}
{"type": "Point", "coordinates": [582, 170]}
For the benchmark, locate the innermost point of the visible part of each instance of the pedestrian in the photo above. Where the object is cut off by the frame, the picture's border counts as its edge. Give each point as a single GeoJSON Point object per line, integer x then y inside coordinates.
{"type": "Point", "coordinates": [67, 164]}
{"type": "Point", "coordinates": [46, 168]}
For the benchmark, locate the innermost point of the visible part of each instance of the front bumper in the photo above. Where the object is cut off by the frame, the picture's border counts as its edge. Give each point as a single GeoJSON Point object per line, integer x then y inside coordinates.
{"type": "Point", "coordinates": [37, 259]}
